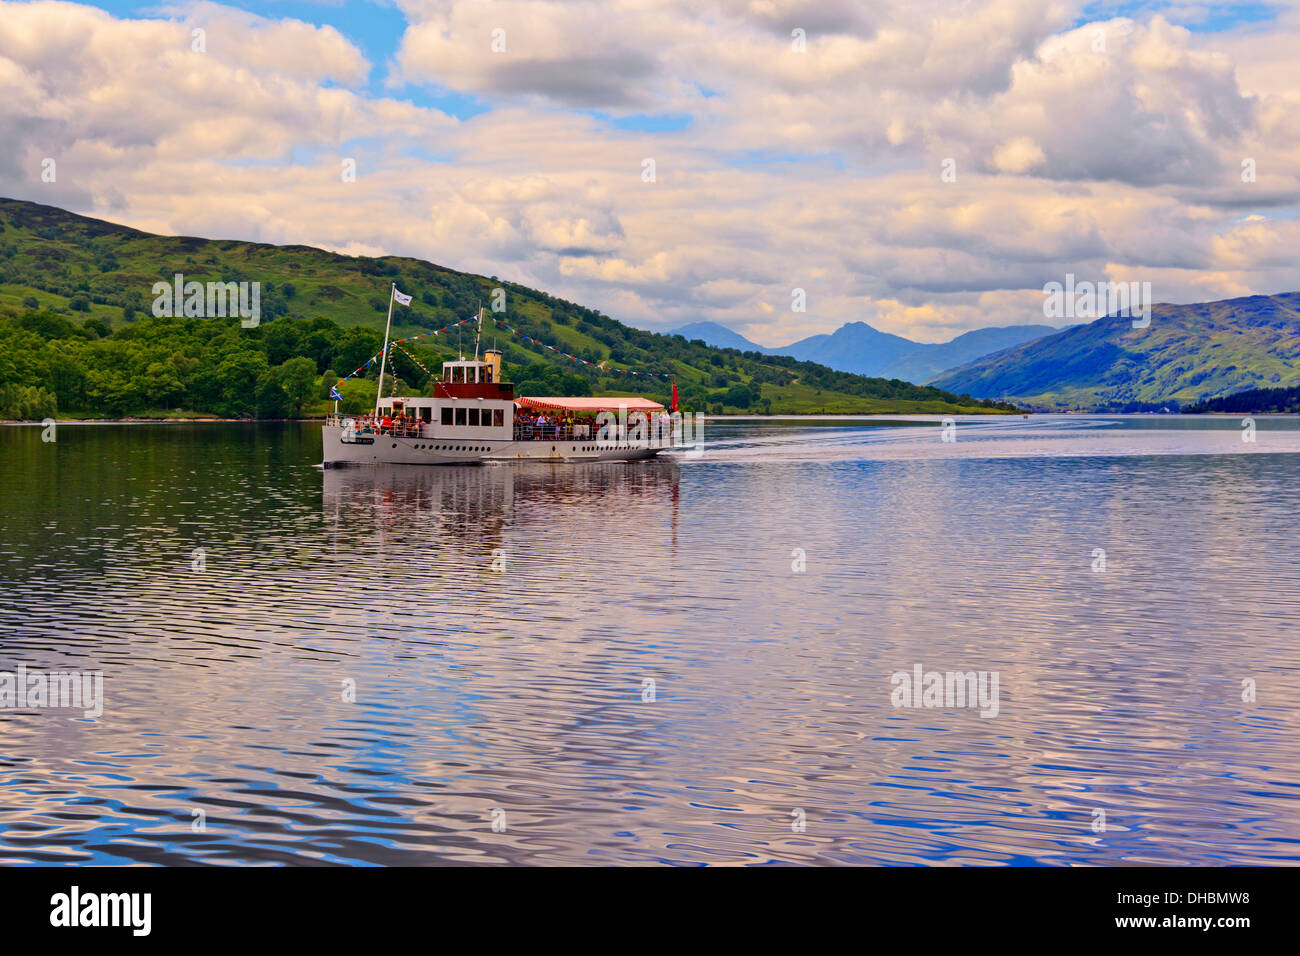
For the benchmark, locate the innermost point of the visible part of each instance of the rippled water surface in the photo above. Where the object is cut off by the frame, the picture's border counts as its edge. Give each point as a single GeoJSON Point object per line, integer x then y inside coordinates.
{"type": "Point", "coordinates": [501, 626]}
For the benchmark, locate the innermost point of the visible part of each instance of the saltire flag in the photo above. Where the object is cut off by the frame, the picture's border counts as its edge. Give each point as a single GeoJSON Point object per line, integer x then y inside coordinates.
{"type": "Point", "coordinates": [401, 299]}
{"type": "Point", "coordinates": [334, 394]}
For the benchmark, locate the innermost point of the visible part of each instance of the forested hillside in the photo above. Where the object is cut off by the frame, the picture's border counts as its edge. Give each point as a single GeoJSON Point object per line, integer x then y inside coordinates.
{"type": "Point", "coordinates": [78, 337]}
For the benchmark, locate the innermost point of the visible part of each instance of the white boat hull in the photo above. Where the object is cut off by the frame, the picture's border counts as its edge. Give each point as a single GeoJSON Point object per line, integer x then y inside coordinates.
{"type": "Point", "coordinates": [374, 449]}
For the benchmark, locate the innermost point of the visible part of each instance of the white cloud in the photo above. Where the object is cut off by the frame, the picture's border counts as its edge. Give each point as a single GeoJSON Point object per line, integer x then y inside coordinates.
{"type": "Point", "coordinates": [819, 170]}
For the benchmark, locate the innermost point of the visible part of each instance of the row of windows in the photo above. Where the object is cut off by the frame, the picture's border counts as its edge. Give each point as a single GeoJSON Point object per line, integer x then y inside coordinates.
{"type": "Point", "coordinates": [487, 448]}
{"type": "Point", "coordinates": [475, 417]}
{"type": "Point", "coordinates": [450, 447]}
{"type": "Point", "coordinates": [461, 375]}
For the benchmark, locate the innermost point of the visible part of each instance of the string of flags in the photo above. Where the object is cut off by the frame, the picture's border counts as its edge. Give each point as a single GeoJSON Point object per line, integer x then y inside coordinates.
{"type": "Point", "coordinates": [581, 361]}
{"type": "Point", "coordinates": [412, 358]}
{"type": "Point", "coordinates": [425, 335]}
{"type": "Point", "coordinates": [410, 338]}
{"type": "Point", "coordinates": [527, 338]}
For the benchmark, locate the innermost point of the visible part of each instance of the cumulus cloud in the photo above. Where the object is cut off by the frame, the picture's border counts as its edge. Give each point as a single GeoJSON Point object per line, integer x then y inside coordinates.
{"type": "Point", "coordinates": [580, 54]}
{"type": "Point", "coordinates": [818, 167]}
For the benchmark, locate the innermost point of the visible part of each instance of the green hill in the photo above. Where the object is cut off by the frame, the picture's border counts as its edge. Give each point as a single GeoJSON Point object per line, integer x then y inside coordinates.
{"type": "Point", "coordinates": [1187, 353]}
{"type": "Point", "coordinates": [77, 332]}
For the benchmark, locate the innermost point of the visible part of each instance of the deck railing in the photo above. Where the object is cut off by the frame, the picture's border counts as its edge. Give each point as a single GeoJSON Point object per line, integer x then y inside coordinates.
{"type": "Point", "coordinates": [560, 431]}
{"type": "Point", "coordinates": [656, 434]}
{"type": "Point", "coordinates": [365, 425]}
{"type": "Point", "coordinates": [653, 435]}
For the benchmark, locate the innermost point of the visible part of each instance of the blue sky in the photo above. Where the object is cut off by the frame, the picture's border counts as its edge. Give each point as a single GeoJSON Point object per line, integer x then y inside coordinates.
{"type": "Point", "coordinates": [1199, 18]}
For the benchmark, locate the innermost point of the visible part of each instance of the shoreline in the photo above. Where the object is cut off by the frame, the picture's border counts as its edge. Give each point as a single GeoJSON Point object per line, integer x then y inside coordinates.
{"type": "Point", "coordinates": [810, 416]}
{"type": "Point", "coordinates": [152, 421]}
{"type": "Point", "coordinates": [813, 416]}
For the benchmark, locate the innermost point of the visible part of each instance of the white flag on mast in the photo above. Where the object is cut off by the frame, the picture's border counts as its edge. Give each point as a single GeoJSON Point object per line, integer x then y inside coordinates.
{"type": "Point", "coordinates": [401, 299]}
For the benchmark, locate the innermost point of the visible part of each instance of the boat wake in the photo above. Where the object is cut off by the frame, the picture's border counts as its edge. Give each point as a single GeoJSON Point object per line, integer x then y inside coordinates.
{"type": "Point", "coordinates": [1045, 437]}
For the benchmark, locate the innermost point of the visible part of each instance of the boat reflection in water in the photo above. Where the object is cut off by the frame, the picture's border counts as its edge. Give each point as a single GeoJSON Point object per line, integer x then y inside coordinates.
{"type": "Point", "coordinates": [442, 517]}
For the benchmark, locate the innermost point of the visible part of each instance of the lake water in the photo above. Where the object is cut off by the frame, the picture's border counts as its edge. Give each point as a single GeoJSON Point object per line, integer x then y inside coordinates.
{"type": "Point", "coordinates": [684, 662]}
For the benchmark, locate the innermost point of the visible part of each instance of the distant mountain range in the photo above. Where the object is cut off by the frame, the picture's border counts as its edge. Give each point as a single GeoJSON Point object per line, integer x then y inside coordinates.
{"type": "Point", "coordinates": [929, 361]}
{"type": "Point", "coordinates": [855, 345]}
{"type": "Point", "coordinates": [863, 350]}
{"type": "Point", "coordinates": [1186, 353]}
{"type": "Point", "coordinates": [719, 336]}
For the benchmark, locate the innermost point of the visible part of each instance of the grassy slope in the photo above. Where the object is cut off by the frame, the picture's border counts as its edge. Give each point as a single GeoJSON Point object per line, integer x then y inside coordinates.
{"type": "Point", "coordinates": [55, 256]}
{"type": "Point", "coordinates": [1188, 352]}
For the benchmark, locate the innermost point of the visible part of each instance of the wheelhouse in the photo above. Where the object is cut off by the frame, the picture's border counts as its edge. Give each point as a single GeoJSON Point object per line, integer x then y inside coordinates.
{"type": "Point", "coordinates": [469, 402]}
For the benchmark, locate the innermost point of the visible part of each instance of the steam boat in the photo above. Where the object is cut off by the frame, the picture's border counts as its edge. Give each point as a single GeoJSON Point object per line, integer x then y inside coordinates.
{"type": "Point", "coordinates": [473, 416]}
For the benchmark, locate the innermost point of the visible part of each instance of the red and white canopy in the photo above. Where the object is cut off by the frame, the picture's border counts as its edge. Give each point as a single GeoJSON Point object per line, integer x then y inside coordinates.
{"type": "Point", "coordinates": [589, 405]}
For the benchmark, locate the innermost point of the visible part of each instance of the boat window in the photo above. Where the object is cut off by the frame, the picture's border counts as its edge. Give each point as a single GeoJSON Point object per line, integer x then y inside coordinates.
{"type": "Point", "coordinates": [460, 416]}
{"type": "Point", "coordinates": [499, 417]}
{"type": "Point", "coordinates": [446, 415]}
{"type": "Point", "coordinates": [473, 416]}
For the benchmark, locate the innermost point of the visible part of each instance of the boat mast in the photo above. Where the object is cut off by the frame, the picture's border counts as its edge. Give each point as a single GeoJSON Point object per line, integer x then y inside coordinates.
{"type": "Point", "coordinates": [383, 360]}
{"type": "Point", "coordinates": [479, 334]}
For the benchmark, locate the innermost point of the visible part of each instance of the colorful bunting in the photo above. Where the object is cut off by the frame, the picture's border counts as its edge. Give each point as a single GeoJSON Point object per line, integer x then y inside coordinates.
{"type": "Point", "coordinates": [411, 357]}
{"type": "Point", "coordinates": [527, 338]}
{"type": "Point", "coordinates": [411, 338]}
{"type": "Point", "coordinates": [580, 361]}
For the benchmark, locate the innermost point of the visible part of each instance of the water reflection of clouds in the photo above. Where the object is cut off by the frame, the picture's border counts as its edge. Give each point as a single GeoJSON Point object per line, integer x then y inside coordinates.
{"type": "Point", "coordinates": [522, 688]}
